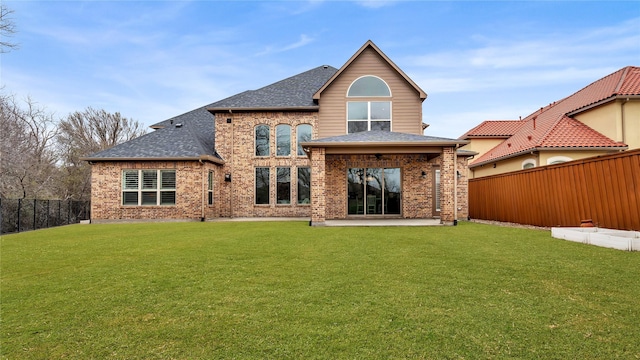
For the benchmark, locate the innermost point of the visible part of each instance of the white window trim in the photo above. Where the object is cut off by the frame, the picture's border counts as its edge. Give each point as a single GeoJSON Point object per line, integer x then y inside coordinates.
{"type": "Point", "coordinates": [360, 96]}
{"type": "Point", "coordinates": [529, 161]}
{"type": "Point", "coordinates": [369, 120]}
{"type": "Point", "coordinates": [558, 159]}
{"type": "Point", "coordinates": [158, 190]}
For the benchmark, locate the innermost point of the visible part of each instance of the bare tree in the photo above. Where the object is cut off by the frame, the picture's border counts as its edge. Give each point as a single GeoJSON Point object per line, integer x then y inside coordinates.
{"type": "Point", "coordinates": [84, 133]}
{"type": "Point", "coordinates": [27, 160]}
{"type": "Point", "coordinates": [7, 29]}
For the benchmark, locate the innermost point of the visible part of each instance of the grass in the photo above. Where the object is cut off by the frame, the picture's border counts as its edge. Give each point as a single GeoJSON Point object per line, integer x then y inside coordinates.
{"type": "Point", "coordinates": [286, 290]}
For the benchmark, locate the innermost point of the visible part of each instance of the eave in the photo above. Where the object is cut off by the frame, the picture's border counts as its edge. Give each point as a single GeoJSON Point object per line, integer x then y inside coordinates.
{"type": "Point", "coordinates": [264, 109]}
{"type": "Point", "coordinates": [602, 102]}
{"type": "Point", "coordinates": [207, 158]}
{"type": "Point", "coordinates": [537, 149]}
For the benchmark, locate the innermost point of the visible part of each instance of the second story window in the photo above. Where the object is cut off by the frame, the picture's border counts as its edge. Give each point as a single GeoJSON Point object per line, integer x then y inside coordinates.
{"type": "Point", "coordinates": [262, 140]}
{"type": "Point", "coordinates": [283, 140]}
{"type": "Point", "coordinates": [367, 108]}
{"type": "Point", "coordinates": [303, 132]}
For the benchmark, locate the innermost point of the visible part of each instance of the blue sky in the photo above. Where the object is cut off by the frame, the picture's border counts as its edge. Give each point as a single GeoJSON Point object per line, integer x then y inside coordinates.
{"type": "Point", "coordinates": [152, 60]}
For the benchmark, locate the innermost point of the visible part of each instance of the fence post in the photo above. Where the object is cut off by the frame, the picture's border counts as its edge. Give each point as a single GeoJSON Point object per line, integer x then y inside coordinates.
{"type": "Point", "coordinates": [68, 211]}
{"type": "Point", "coordinates": [48, 202]}
{"type": "Point", "coordinates": [58, 223]}
{"type": "Point", "coordinates": [19, 210]}
{"type": "Point", "coordinates": [34, 213]}
{"type": "Point", "coordinates": [1, 222]}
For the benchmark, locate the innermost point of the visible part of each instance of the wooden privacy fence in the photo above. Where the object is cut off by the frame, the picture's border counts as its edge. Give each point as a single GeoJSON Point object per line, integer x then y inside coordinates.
{"type": "Point", "coordinates": [605, 189]}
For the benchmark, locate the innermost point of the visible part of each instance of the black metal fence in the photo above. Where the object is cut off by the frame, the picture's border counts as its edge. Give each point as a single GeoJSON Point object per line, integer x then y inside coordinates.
{"type": "Point", "coordinates": [18, 215]}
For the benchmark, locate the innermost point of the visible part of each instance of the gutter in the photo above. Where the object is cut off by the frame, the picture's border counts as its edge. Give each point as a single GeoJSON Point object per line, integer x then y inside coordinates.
{"type": "Point", "coordinates": [602, 102]}
{"type": "Point", "coordinates": [268, 109]}
{"type": "Point", "coordinates": [580, 148]}
{"type": "Point", "coordinates": [208, 158]}
{"type": "Point", "coordinates": [382, 143]}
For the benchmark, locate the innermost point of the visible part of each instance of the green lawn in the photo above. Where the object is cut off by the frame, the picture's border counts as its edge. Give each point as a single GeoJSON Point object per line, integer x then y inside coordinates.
{"type": "Point", "coordinates": [286, 290]}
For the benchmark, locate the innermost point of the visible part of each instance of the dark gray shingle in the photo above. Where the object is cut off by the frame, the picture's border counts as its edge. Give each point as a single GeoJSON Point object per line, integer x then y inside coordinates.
{"type": "Point", "coordinates": [296, 91]}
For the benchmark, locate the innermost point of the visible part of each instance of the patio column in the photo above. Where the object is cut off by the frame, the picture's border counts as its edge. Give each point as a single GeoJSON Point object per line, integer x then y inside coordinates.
{"type": "Point", "coordinates": [318, 191]}
{"type": "Point", "coordinates": [448, 186]}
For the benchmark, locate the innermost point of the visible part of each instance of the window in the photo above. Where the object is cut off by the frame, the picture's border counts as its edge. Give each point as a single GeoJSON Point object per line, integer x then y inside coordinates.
{"type": "Point", "coordinates": [304, 134]}
{"type": "Point", "coordinates": [283, 189]}
{"type": "Point", "coordinates": [262, 185]}
{"type": "Point", "coordinates": [262, 140]}
{"type": "Point", "coordinates": [437, 190]}
{"type": "Point", "coordinates": [528, 164]}
{"type": "Point", "coordinates": [374, 191]}
{"type": "Point", "coordinates": [140, 187]}
{"type": "Point", "coordinates": [210, 188]}
{"type": "Point", "coordinates": [283, 140]}
{"type": "Point", "coordinates": [304, 185]}
{"type": "Point", "coordinates": [368, 115]}
{"type": "Point", "coordinates": [558, 160]}
{"type": "Point", "coordinates": [369, 86]}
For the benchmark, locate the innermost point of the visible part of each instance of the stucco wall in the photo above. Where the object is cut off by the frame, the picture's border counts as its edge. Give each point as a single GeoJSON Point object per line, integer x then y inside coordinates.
{"type": "Point", "coordinates": [619, 120]}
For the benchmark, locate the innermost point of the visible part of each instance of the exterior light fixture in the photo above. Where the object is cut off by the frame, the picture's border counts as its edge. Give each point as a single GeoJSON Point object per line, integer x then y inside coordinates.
{"type": "Point", "coordinates": [227, 177]}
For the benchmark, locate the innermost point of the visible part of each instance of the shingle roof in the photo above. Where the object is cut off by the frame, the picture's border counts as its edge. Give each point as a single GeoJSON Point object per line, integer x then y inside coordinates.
{"type": "Point", "coordinates": [379, 137]}
{"type": "Point", "coordinates": [550, 127]}
{"type": "Point", "coordinates": [195, 136]}
{"type": "Point", "coordinates": [494, 129]}
{"type": "Point", "coordinates": [190, 135]}
{"type": "Point", "coordinates": [295, 91]}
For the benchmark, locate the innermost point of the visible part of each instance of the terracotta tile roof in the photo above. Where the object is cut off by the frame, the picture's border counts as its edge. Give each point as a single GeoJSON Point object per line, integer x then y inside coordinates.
{"type": "Point", "coordinates": [550, 127]}
{"type": "Point", "coordinates": [494, 129]}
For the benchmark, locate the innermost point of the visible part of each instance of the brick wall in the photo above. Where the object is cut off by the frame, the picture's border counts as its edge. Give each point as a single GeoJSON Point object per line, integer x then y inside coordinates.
{"type": "Point", "coordinates": [191, 180]}
{"type": "Point", "coordinates": [417, 192]}
{"type": "Point", "coordinates": [236, 145]}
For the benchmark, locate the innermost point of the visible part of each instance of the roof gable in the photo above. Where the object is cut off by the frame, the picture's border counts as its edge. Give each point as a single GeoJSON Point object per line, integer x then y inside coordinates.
{"type": "Point", "coordinates": [370, 45]}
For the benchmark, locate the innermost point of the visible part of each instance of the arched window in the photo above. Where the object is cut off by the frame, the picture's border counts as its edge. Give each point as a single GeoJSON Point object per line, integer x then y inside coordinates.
{"type": "Point", "coordinates": [262, 140]}
{"type": "Point", "coordinates": [369, 86]}
{"type": "Point", "coordinates": [374, 114]}
{"type": "Point", "coordinates": [283, 140]}
{"type": "Point", "coordinates": [303, 132]}
{"type": "Point", "coordinates": [558, 160]}
{"type": "Point", "coordinates": [529, 163]}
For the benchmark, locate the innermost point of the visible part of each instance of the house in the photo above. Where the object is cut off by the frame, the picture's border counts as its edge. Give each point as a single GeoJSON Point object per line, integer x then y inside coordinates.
{"type": "Point", "coordinates": [602, 118]}
{"type": "Point", "coordinates": [324, 144]}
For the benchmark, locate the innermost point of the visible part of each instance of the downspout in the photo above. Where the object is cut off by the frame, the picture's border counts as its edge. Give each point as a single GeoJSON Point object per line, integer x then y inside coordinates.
{"type": "Point", "coordinates": [233, 123]}
{"type": "Point", "coordinates": [455, 184]}
{"type": "Point", "coordinates": [203, 195]}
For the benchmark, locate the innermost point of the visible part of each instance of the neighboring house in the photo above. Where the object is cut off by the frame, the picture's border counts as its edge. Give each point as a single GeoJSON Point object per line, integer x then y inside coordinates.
{"type": "Point", "coordinates": [324, 144]}
{"type": "Point", "coordinates": [602, 118]}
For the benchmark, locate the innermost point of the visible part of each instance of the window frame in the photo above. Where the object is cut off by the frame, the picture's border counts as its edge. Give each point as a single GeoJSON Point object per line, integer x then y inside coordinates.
{"type": "Point", "coordinates": [210, 180]}
{"type": "Point", "coordinates": [280, 199]}
{"type": "Point", "coordinates": [278, 147]}
{"type": "Point", "coordinates": [299, 149]}
{"type": "Point", "coordinates": [299, 200]}
{"type": "Point", "coordinates": [256, 150]}
{"type": "Point", "coordinates": [365, 96]}
{"type": "Point", "coordinates": [267, 184]}
{"type": "Point", "coordinates": [369, 119]}
{"type": "Point", "coordinates": [151, 187]}
{"type": "Point", "coordinates": [527, 162]}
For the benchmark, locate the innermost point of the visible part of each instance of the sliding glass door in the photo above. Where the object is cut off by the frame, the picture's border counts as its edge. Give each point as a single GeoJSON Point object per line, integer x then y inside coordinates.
{"type": "Point", "coordinates": [374, 191]}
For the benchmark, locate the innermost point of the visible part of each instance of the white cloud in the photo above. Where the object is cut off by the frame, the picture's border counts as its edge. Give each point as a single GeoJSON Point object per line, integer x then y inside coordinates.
{"type": "Point", "coordinates": [304, 40]}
